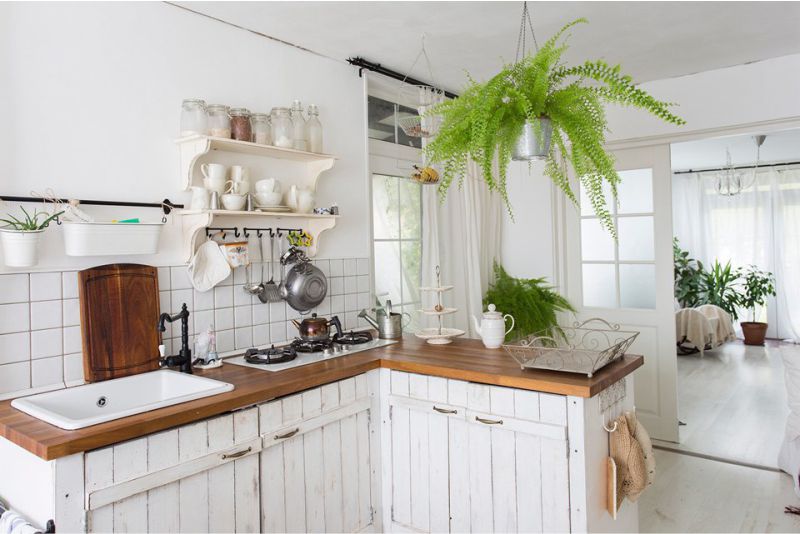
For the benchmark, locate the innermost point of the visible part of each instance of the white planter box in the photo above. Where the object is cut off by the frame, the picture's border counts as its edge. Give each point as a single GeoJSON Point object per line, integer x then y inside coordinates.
{"type": "Point", "coordinates": [109, 239]}
{"type": "Point", "coordinates": [20, 248]}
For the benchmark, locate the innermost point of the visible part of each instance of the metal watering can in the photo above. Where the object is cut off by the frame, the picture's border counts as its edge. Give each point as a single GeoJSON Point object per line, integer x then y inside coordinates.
{"type": "Point", "coordinates": [389, 325]}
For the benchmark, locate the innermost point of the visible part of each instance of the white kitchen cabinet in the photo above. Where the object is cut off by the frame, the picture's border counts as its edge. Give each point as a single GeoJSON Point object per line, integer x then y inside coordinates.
{"type": "Point", "coordinates": [470, 457]}
{"type": "Point", "coordinates": [201, 477]}
{"type": "Point", "coordinates": [316, 462]}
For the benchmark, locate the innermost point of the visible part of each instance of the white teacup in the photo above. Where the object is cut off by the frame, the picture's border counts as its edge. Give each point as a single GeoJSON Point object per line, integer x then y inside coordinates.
{"type": "Point", "coordinates": [215, 184]}
{"type": "Point", "coordinates": [239, 173]}
{"type": "Point", "coordinates": [213, 171]}
{"type": "Point", "coordinates": [267, 185]}
{"type": "Point", "coordinates": [271, 198]}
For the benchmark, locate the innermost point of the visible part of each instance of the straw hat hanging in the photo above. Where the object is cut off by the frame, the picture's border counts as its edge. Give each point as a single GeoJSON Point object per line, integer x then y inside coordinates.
{"type": "Point", "coordinates": [630, 461]}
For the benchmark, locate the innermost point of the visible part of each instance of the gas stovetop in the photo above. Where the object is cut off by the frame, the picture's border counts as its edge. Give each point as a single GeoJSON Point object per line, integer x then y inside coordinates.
{"type": "Point", "coordinates": [299, 352]}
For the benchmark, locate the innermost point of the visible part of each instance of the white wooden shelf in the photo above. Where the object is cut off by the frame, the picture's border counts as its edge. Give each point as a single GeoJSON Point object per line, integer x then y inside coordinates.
{"type": "Point", "coordinates": [305, 166]}
{"type": "Point", "coordinates": [194, 223]}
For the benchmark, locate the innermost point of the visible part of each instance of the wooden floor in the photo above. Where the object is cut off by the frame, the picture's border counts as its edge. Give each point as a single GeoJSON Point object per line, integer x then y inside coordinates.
{"type": "Point", "coordinates": [697, 495]}
{"type": "Point", "coordinates": [733, 401]}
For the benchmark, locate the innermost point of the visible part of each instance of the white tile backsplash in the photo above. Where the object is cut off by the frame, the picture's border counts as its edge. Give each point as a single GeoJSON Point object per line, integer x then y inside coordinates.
{"type": "Point", "coordinates": [14, 318]}
{"type": "Point", "coordinates": [40, 334]}
{"type": "Point", "coordinates": [13, 288]}
{"type": "Point", "coordinates": [45, 286]}
{"type": "Point", "coordinates": [15, 347]}
{"type": "Point", "coordinates": [46, 314]}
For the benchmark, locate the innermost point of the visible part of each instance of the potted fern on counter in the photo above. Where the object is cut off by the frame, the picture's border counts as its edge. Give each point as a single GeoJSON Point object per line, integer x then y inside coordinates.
{"type": "Point", "coordinates": [540, 95]}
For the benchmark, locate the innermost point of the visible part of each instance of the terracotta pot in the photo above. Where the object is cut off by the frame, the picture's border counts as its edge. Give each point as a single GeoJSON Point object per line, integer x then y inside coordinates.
{"type": "Point", "coordinates": [754, 333]}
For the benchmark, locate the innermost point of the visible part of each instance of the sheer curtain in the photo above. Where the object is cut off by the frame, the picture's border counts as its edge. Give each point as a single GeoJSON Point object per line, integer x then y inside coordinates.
{"type": "Point", "coordinates": [462, 236]}
{"type": "Point", "coordinates": [759, 226]}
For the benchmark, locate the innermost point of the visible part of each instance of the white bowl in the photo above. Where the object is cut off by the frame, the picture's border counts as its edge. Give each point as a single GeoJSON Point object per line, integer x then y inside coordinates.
{"type": "Point", "coordinates": [268, 199]}
{"type": "Point", "coordinates": [233, 202]}
{"type": "Point", "coordinates": [267, 185]}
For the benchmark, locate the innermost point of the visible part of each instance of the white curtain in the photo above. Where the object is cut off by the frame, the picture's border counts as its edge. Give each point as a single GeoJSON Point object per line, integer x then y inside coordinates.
{"type": "Point", "coordinates": [759, 226]}
{"type": "Point", "coordinates": [462, 236]}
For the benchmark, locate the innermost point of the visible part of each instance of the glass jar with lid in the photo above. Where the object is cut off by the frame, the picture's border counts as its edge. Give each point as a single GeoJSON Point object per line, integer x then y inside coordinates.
{"type": "Point", "coordinates": [298, 127]}
{"type": "Point", "coordinates": [241, 130]}
{"type": "Point", "coordinates": [314, 130]}
{"type": "Point", "coordinates": [261, 128]}
{"type": "Point", "coordinates": [281, 128]}
{"type": "Point", "coordinates": [194, 119]}
{"type": "Point", "coordinates": [219, 121]}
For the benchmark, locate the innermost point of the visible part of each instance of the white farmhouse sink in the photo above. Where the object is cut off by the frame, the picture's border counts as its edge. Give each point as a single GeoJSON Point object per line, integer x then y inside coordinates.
{"type": "Point", "coordinates": [96, 403]}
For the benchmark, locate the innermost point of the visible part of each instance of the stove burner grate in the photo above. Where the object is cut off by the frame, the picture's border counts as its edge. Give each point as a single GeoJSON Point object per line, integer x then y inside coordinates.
{"type": "Point", "coordinates": [352, 338]}
{"type": "Point", "coordinates": [301, 345]}
{"type": "Point", "coordinates": [270, 355]}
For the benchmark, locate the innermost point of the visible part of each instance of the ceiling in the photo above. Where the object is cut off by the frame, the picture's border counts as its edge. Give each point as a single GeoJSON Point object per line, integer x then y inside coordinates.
{"type": "Point", "coordinates": [710, 153]}
{"type": "Point", "coordinates": [652, 40]}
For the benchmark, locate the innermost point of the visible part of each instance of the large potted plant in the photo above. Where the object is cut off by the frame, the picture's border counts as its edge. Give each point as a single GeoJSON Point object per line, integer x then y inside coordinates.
{"type": "Point", "coordinates": [689, 277]}
{"type": "Point", "coordinates": [533, 303]}
{"type": "Point", "coordinates": [20, 237]}
{"type": "Point", "coordinates": [721, 286]}
{"type": "Point", "coordinates": [542, 96]}
{"type": "Point", "coordinates": [758, 285]}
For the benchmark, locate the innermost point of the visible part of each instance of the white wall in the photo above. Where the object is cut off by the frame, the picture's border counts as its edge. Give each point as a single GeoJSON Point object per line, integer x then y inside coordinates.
{"type": "Point", "coordinates": [90, 97]}
{"type": "Point", "coordinates": [756, 92]}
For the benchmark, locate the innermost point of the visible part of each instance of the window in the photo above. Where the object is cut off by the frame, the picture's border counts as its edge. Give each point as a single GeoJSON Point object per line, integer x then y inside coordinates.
{"type": "Point", "coordinates": [622, 273]}
{"type": "Point", "coordinates": [383, 116]}
{"type": "Point", "coordinates": [397, 244]}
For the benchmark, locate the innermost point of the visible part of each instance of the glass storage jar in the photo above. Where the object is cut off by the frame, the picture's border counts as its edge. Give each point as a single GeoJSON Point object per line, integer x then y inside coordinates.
{"type": "Point", "coordinates": [193, 117]}
{"type": "Point", "coordinates": [219, 121]}
{"type": "Point", "coordinates": [281, 128]}
{"type": "Point", "coordinates": [298, 127]}
{"type": "Point", "coordinates": [261, 128]}
{"type": "Point", "coordinates": [241, 129]}
{"type": "Point", "coordinates": [314, 130]}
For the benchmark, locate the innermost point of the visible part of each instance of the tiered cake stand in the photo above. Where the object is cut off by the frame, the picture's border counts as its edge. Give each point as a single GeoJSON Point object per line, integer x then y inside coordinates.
{"type": "Point", "coordinates": [439, 335]}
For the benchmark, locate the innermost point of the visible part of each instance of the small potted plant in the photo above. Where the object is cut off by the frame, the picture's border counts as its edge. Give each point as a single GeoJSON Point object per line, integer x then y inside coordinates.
{"type": "Point", "coordinates": [758, 285]}
{"type": "Point", "coordinates": [20, 237]}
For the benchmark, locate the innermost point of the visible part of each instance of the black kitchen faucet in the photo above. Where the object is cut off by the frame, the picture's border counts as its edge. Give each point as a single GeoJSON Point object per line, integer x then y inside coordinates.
{"type": "Point", "coordinates": [184, 357]}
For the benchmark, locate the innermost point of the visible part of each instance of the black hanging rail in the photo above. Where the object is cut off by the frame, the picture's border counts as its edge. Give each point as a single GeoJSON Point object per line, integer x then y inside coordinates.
{"type": "Point", "coordinates": [363, 64]}
{"type": "Point", "coordinates": [165, 204]}
{"type": "Point", "coordinates": [246, 230]}
{"type": "Point", "coordinates": [739, 167]}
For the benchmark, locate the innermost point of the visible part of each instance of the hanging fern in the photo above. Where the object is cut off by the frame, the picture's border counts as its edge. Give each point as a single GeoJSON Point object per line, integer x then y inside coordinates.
{"type": "Point", "coordinates": [483, 124]}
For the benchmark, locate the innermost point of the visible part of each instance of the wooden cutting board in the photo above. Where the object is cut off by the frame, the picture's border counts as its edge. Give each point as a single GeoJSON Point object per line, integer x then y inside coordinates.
{"type": "Point", "coordinates": [119, 315]}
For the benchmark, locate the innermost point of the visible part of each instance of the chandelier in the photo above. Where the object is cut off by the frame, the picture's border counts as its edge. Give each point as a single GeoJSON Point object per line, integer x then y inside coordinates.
{"type": "Point", "coordinates": [731, 180]}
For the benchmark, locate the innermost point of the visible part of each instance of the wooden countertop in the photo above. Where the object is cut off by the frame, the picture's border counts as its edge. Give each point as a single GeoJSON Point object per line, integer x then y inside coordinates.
{"type": "Point", "coordinates": [465, 359]}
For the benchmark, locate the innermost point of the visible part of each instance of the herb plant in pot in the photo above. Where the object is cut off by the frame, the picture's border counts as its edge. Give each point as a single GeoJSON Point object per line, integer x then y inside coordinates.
{"type": "Point", "coordinates": [20, 237]}
{"type": "Point", "coordinates": [540, 107]}
{"type": "Point", "coordinates": [758, 285]}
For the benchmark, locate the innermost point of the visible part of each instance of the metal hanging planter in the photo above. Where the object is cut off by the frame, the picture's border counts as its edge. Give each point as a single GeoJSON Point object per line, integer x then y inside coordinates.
{"type": "Point", "coordinates": [533, 145]}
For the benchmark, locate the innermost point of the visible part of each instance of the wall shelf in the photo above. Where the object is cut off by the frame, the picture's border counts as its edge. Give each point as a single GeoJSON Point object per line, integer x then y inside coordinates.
{"type": "Point", "coordinates": [305, 166]}
{"type": "Point", "coordinates": [194, 223]}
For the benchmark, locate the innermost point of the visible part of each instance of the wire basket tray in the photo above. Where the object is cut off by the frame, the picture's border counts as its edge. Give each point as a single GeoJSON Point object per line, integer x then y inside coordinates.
{"type": "Point", "coordinates": [583, 348]}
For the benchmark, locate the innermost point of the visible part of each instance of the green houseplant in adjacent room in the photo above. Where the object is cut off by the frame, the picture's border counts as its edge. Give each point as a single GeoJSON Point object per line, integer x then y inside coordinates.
{"type": "Point", "coordinates": [533, 303]}
{"type": "Point", "coordinates": [721, 286]}
{"type": "Point", "coordinates": [758, 286]}
{"type": "Point", "coordinates": [21, 235]}
{"type": "Point", "coordinates": [555, 101]}
{"type": "Point", "coordinates": [689, 277]}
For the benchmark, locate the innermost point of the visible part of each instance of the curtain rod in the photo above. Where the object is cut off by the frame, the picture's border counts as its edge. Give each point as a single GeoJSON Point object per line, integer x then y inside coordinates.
{"type": "Point", "coordinates": [738, 167]}
{"type": "Point", "coordinates": [362, 64]}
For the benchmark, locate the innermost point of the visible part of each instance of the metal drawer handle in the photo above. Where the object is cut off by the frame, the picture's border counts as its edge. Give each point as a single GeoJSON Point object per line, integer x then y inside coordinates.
{"type": "Point", "coordinates": [236, 454]}
{"type": "Point", "coordinates": [288, 434]}
{"type": "Point", "coordinates": [444, 410]}
{"type": "Point", "coordinates": [488, 421]}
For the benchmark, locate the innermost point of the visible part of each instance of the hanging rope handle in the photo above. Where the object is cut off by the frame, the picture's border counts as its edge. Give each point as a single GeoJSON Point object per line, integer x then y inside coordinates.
{"type": "Point", "coordinates": [523, 31]}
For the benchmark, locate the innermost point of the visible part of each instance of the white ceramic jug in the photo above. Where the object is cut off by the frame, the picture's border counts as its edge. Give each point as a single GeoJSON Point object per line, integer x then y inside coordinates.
{"type": "Point", "coordinates": [492, 327]}
{"type": "Point", "coordinates": [301, 200]}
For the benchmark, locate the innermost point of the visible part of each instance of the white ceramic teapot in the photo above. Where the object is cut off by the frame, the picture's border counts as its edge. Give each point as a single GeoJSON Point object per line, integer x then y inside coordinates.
{"type": "Point", "coordinates": [300, 199]}
{"type": "Point", "coordinates": [492, 327]}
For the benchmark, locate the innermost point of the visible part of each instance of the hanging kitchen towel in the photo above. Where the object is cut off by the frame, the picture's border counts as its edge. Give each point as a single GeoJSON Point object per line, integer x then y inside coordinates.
{"type": "Point", "coordinates": [628, 455]}
{"type": "Point", "coordinates": [209, 266]}
{"type": "Point", "coordinates": [13, 523]}
{"type": "Point", "coordinates": [643, 438]}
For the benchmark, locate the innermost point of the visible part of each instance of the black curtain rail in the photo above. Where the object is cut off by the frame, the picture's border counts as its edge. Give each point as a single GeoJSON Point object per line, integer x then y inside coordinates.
{"type": "Point", "coordinates": [166, 205]}
{"type": "Point", "coordinates": [363, 64]}
{"type": "Point", "coordinates": [739, 167]}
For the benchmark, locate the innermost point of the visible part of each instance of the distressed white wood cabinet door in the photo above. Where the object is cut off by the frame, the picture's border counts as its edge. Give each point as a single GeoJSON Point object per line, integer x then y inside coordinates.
{"type": "Point", "coordinates": [201, 477]}
{"type": "Point", "coordinates": [315, 465]}
{"type": "Point", "coordinates": [474, 458]}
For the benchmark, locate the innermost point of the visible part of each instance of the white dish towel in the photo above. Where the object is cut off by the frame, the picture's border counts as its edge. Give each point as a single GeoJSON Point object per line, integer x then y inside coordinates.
{"type": "Point", "coordinates": [13, 523]}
